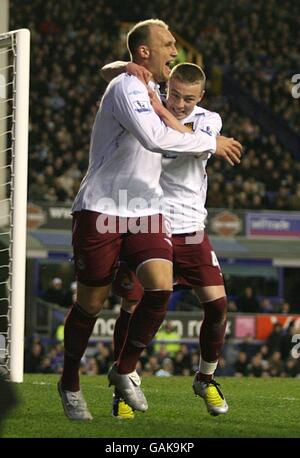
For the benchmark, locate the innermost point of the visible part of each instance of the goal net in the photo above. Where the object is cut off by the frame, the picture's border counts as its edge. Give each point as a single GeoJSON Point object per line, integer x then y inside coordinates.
{"type": "Point", "coordinates": [14, 99]}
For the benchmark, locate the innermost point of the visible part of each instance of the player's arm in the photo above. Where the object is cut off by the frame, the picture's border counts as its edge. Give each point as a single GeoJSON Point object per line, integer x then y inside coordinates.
{"type": "Point", "coordinates": [133, 110]}
{"type": "Point", "coordinates": [213, 125]}
{"type": "Point", "coordinates": [225, 147]}
{"type": "Point", "coordinates": [110, 71]}
{"type": "Point", "coordinates": [165, 114]}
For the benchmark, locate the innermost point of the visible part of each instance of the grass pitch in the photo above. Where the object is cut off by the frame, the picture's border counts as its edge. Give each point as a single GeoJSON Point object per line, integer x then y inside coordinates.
{"type": "Point", "coordinates": [268, 407]}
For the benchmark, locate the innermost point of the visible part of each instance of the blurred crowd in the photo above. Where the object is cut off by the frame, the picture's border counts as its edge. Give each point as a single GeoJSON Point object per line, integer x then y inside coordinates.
{"type": "Point", "coordinates": [166, 356]}
{"type": "Point", "coordinates": [245, 301]}
{"type": "Point", "coordinates": [257, 42]}
{"type": "Point", "coordinates": [275, 357]}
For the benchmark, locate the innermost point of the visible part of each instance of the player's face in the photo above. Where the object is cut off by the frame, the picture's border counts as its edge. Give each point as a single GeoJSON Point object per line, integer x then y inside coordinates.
{"type": "Point", "coordinates": [182, 97]}
{"type": "Point", "coordinates": [162, 51]}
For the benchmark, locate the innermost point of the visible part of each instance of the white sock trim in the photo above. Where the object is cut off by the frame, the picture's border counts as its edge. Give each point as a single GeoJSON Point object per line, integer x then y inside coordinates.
{"type": "Point", "coordinates": [207, 368]}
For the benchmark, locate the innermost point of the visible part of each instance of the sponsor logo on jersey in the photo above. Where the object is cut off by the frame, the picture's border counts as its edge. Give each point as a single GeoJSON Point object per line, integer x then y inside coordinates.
{"type": "Point", "coordinates": [135, 92]}
{"type": "Point", "coordinates": [142, 106]}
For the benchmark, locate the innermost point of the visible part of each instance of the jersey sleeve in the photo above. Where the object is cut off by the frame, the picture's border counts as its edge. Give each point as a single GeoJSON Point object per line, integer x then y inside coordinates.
{"type": "Point", "coordinates": [213, 123]}
{"type": "Point", "coordinates": [212, 126]}
{"type": "Point", "coordinates": [133, 110]}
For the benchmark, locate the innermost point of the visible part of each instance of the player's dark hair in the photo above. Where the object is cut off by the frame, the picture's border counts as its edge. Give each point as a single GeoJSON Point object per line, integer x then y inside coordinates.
{"type": "Point", "coordinates": [140, 33]}
{"type": "Point", "coordinates": [189, 73]}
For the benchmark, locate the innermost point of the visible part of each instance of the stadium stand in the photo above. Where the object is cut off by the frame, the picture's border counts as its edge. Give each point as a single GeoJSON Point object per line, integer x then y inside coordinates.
{"type": "Point", "coordinates": [250, 53]}
{"type": "Point", "coordinates": [71, 41]}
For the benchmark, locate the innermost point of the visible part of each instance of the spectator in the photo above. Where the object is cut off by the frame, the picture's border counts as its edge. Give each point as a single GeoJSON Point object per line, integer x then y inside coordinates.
{"type": "Point", "coordinates": [241, 365]}
{"type": "Point", "coordinates": [168, 333]}
{"type": "Point", "coordinates": [255, 368]}
{"type": "Point", "coordinates": [273, 341]}
{"type": "Point", "coordinates": [55, 292]}
{"type": "Point", "coordinates": [247, 302]}
{"type": "Point", "coordinates": [167, 368]}
{"type": "Point", "coordinates": [224, 369]}
{"type": "Point", "coordinates": [71, 295]}
{"type": "Point", "coordinates": [265, 306]}
{"type": "Point", "coordinates": [33, 356]}
{"type": "Point", "coordinates": [285, 308]}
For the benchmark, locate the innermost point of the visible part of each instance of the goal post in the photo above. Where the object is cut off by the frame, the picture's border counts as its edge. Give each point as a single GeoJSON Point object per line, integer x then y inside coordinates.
{"type": "Point", "coordinates": [14, 73]}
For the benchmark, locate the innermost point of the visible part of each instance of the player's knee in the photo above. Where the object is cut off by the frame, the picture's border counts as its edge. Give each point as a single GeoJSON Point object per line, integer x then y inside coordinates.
{"type": "Point", "coordinates": [163, 285]}
{"type": "Point", "coordinates": [158, 298]}
{"type": "Point", "coordinates": [160, 283]}
{"type": "Point", "coordinates": [216, 310]}
{"type": "Point", "coordinates": [91, 299]}
{"type": "Point", "coordinates": [156, 275]}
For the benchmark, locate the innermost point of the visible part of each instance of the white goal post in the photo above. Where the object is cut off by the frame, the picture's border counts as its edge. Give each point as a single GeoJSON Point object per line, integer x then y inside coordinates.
{"type": "Point", "coordinates": [14, 104]}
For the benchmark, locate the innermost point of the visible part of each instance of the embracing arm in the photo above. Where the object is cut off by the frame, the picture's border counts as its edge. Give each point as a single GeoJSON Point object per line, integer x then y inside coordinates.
{"type": "Point", "coordinates": [226, 148]}
{"type": "Point", "coordinates": [164, 114]}
{"type": "Point", "coordinates": [110, 71]}
{"type": "Point", "coordinates": [133, 110]}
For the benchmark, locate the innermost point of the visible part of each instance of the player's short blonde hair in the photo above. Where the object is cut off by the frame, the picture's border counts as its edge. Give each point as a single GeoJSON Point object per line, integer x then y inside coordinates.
{"type": "Point", "coordinates": [140, 33]}
{"type": "Point", "coordinates": [189, 73]}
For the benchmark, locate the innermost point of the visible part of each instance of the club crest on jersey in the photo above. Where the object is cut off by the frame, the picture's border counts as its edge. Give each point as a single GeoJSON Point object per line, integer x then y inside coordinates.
{"type": "Point", "coordinates": [189, 125]}
{"type": "Point", "coordinates": [142, 106]}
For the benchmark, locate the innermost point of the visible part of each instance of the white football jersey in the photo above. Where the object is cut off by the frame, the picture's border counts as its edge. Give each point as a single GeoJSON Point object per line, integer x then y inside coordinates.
{"type": "Point", "coordinates": [124, 169]}
{"type": "Point", "coordinates": [184, 179]}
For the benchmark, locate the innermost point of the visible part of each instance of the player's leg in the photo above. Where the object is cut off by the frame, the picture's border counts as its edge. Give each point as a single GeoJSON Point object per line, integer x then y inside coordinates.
{"type": "Point", "coordinates": [212, 333]}
{"type": "Point", "coordinates": [127, 286]}
{"type": "Point", "coordinates": [120, 409]}
{"type": "Point", "coordinates": [156, 277]}
{"type": "Point", "coordinates": [150, 254]}
{"type": "Point", "coordinates": [199, 267]}
{"type": "Point", "coordinates": [95, 257]}
{"type": "Point", "coordinates": [211, 340]}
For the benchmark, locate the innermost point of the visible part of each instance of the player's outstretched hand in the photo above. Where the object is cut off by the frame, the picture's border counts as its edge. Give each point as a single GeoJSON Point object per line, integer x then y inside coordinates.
{"type": "Point", "coordinates": [229, 149]}
{"type": "Point", "coordinates": [140, 72]}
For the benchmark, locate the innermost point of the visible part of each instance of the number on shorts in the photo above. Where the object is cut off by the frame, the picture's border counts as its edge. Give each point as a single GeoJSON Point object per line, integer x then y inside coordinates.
{"type": "Point", "coordinates": [214, 259]}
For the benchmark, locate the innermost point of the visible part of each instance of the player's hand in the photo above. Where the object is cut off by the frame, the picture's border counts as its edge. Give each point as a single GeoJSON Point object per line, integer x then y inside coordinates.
{"type": "Point", "coordinates": [140, 72]}
{"type": "Point", "coordinates": [229, 149]}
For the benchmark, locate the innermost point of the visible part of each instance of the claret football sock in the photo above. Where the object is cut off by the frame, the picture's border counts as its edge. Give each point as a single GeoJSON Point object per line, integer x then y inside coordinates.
{"type": "Point", "coordinates": [120, 332]}
{"type": "Point", "coordinates": [78, 328]}
{"type": "Point", "coordinates": [213, 329]}
{"type": "Point", "coordinates": [145, 322]}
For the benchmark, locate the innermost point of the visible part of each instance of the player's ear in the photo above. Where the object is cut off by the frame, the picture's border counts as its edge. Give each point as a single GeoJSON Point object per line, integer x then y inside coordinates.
{"type": "Point", "coordinates": [144, 51]}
